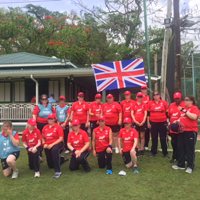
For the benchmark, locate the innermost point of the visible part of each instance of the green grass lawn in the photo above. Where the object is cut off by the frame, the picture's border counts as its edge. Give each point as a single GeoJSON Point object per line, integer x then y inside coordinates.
{"type": "Point", "coordinates": [156, 180]}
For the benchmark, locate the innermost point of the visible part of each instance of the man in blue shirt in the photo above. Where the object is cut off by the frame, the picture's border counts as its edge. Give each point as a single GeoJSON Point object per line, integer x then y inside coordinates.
{"type": "Point", "coordinates": [51, 99]}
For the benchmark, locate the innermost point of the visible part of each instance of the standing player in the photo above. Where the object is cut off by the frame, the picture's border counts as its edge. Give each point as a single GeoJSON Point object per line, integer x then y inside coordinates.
{"type": "Point", "coordinates": [157, 121]}
{"type": "Point", "coordinates": [130, 140]}
{"type": "Point", "coordinates": [102, 145]}
{"type": "Point", "coordinates": [78, 142]}
{"type": "Point", "coordinates": [63, 114]}
{"type": "Point", "coordinates": [31, 139]}
{"type": "Point", "coordinates": [96, 110]}
{"type": "Point", "coordinates": [80, 111]}
{"type": "Point", "coordinates": [127, 104]}
{"type": "Point", "coordinates": [174, 114]}
{"type": "Point", "coordinates": [139, 116]}
{"type": "Point", "coordinates": [113, 115]}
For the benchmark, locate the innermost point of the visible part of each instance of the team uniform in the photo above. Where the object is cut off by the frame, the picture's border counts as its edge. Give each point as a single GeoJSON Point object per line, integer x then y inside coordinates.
{"type": "Point", "coordinates": [31, 140]}
{"type": "Point", "coordinates": [126, 108]}
{"type": "Point", "coordinates": [102, 143]}
{"type": "Point", "coordinates": [158, 121]}
{"type": "Point", "coordinates": [111, 113]}
{"type": "Point", "coordinates": [174, 114]}
{"type": "Point", "coordinates": [128, 142]}
{"type": "Point", "coordinates": [7, 148]}
{"type": "Point", "coordinates": [78, 142]}
{"type": "Point", "coordinates": [62, 112]}
{"type": "Point", "coordinates": [187, 139]}
{"type": "Point", "coordinates": [50, 135]}
{"type": "Point", "coordinates": [81, 113]}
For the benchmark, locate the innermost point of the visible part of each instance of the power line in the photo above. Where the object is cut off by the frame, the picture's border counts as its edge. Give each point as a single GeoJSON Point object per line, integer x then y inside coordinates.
{"type": "Point", "coordinates": [28, 1]}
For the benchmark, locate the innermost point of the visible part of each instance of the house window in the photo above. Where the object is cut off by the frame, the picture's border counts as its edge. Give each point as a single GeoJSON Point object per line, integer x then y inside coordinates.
{"type": "Point", "coordinates": [19, 91]}
{"type": "Point", "coordinates": [5, 92]}
{"type": "Point", "coordinates": [54, 89]}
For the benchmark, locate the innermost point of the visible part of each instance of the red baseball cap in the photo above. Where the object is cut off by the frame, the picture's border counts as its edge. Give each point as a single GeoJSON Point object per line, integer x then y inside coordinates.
{"type": "Point", "coordinates": [75, 122]}
{"type": "Point", "coordinates": [144, 87]}
{"type": "Point", "coordinates": [177, 95]}
{"type": "Point", "coordinates": [81, 94]}
{"type": "Point", "coordinates": [51, 116]}
{"type": "Point", "coordinates": [127, 93]}
{"type": "Point", "coordinates": [109, 96]}
{"type": "Point", "coordinates": [62, 98]}
{"type": "Point", "coordinates": [98, 96]}
{"type": "Point", "coordinates": [101, 118]}
{"type": "Point", "coordinates": [139, 94]}
{"type": "Point", "coordinates": [32, 122]}
{"type": "Point", "coordinates": [127, 120]}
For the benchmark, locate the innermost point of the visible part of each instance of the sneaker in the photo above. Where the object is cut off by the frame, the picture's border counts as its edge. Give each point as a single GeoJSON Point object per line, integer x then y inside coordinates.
{"type": "Point", "coordinates": [136, 171]}
{"type": "Point", "coordinates": [109, 171]}
{"type": "Point", "coordinates": [146, 148]}
{"type": "Point", "coordinates": [167, 156]}
{"type": "Point", "coordinates": [142, 153]}
{"type": "Point", "coordinates": [15, 174]}
{"type": "Point", "coordinates": [152, 155]}
{"type": "Point", "coordinates": [57, 174]}
{"type": "Point", "coordinates": [189, 170]}
{"type": "Point", "coordinates": [37, 174]}
{"type": "Point", "coordinates": [116, 150]}
{"type": "Point", "coordinates": [41, 159]}
{"type": "Point", "coordinates": [173, 161]}
{"type": "Point", "coordinates": [88, 170]}
{"type": "Point", "coordinates": [67, 151]}
{"type": "Point", "coordinates": [177, 167]}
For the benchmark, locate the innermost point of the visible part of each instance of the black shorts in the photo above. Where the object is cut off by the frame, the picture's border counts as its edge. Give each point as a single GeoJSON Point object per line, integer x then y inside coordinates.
{"type": "Point", "coordinates": [127, 156]}
{"type": "Point", "coordinates": [5, 164]}
{"type": "Point", "coordinates": [115, 128]}
{"type": "Point", "coordinates": [140, 128]}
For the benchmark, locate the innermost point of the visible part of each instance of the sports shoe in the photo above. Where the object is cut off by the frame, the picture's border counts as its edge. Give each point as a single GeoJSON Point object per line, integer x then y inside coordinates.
{"type": "Point", "coordinates": [136, 171]}
{"type": "Point", "coordinates": [41, 159]}
{"type": "Point", "coordinates": [116, 150]}
{"type": "Point", "coordinates": [152, 155]}
{"type": "Point", "coordinates": [37, 174]}
{"type": "Point", "coordinates": [57, 174]}
{"type": "Point", "coordinates": [146, 148]}
{"type": "Point", "coordinates": [177, 167]}
{"type": "Point", "coordinates": [88, 170]}
{"type": "Point", "coordinates": [173, 161]}
{"type": "Point", "coordinates": [15, 174]}
{"type": "Point", "coordinates": [189, 170]}
{"type": "Point", "coordinates": [142, 153]}
{"type": "Point", "coordinates": [67, 151]}
{"type": "Point", "coordinates": [167, 156]}
{"type": "Point", "coordinates": [109, 171]}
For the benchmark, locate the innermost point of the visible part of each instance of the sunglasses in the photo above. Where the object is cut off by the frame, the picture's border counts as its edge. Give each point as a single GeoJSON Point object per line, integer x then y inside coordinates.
{"type": "Point", "coordinates": [101, 121]}
{"type": "Point", "coordinates": [44, 99]}
{"type": "Point", "coordinates": [156, 94]}
{"type": "Point", "coordinates": [140, 96]}
{"type": "Point", "coordinates": [144, 89]}
{"type": "Point", "coordinates": [81, 96]}
{"type": "Point", "coordinates": [50, 118]}
{"type": "Point", "coordinates": [187, 100]}
{"type": "Point", "coordinates": [98, 98]}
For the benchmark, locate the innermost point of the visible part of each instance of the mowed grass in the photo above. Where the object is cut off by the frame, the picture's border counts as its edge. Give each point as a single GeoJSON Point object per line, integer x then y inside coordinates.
{"type": "Point", "coordinates": [156, 180]}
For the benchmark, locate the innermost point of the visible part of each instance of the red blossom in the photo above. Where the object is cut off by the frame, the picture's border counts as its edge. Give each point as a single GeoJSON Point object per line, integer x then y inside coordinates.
{"type": "Point", "coordinates": [67, 24]}
{"type": "Point", "coordinates": [95, 53]}
{"type": "Point", "coordinates": [20, 17]}
{"type": "Point", "coordinates": [66, 45]}
{"type": "Point", "coordinates": [75, 16]}
{"type": "Point", "coordinates": [63, 18]}
{"type": "Point", "coordinates": [71, 42]}
{"type": "Point", "coordinates": [12, 39]}
{"type": "Point", "coordinates": [47, 17]}
{"type": "Point", "coordinates": [51, 43]}
{"type": "Point", "coordinates": [60, 43]}
{"type": "Point", "coordinates": [40, 29]}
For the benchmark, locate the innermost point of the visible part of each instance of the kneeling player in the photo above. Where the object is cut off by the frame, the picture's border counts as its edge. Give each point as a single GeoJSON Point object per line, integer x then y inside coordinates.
{"type": "Point", "coordinates": [102, 145]}
{"type": "Point", "coordinates": [130, 140]}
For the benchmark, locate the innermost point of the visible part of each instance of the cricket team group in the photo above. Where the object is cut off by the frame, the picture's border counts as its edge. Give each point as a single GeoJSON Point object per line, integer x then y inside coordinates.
{"type": "Point", "coordinates": [123, 128]}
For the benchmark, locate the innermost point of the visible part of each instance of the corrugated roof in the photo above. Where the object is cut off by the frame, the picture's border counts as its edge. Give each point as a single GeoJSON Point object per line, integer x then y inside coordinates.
{"type": "Point", "coordinates": [26, 58]}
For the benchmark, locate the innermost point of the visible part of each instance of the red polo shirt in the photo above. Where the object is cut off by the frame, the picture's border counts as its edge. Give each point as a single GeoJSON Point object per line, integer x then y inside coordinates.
{"type": "Point", "coordinates": [80, 111]}
{"type": "Point", "coordinates": [96, 109]}
{"type": "Point", "coordinates": [158, 111]}
{"type": "Point", "coordinates": [190, 125]}
{"type": "Point", "coordinates": [139, 111]}
{"type": "Point", "coordinates": [102, 138]}
{"type": "Point", "coordinates": [145, 99]}
{"type": "Point", "coordinates": [68, 112]}
{"type": "Point", "coordinates": [126, 108]}
{"type": "Point", "coordinates": [174, 113]}
{"type": "Point", "coordinates": [51, 134]}
{"type": "Point", "coordinates": [31, 139]}
{"type": "Point", "coordinates": [78, 141]}
{"type": "Point", "coordinates": [39, 119]}
{"type": "Point", "coordinates": [128, 138]}
{"type": "Point", "coordinates": [111, 113]}
{"type": "Point", "coordinates": [16, 136]}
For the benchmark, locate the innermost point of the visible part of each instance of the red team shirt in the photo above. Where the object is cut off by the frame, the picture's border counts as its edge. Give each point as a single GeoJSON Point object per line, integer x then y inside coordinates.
{"type": "Point", "coordinates": [78, 141]}
{"type": "Point", "coordinates": [39, 119]}
{"type": "Point", "coordinates": [174, 113]}
{"type": "Point", "coordinates": [145, 99]}
{"type": "Point", "coordinates": [158, 111]}
{"type": "Point", "coordinates": [111, 113]}
{"type": "Point", "coordinates": [96, 109]}
{"type": "Point", "coordinates": [80, 111]}
{"type": "Point", "coordinates": [52, 134]}
{"type": "Point", "coordinates": [139, 111]}
{"type": "Point", "coordinates": [128, 138]}
{"type": "Point", "coordinates": [190, 125]}
{"type": "Point", "coordinates": [102, 138]}
{"type": "Point", "coordinates": [126, 108]}
{"type": "Point", "coordinates": [31, 139]}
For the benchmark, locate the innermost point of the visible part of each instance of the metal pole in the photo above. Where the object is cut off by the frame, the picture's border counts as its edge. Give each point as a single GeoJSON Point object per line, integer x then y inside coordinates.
{"type": "Point", "coordinates": [193, 76]}
{"type": "Point", "coordinates": [147, 48]}
{"type": "Point", "coordinates": [104, 96]}
{"type": "Point", "coordinates": [184, 83]}
{"type": "Point", "coordinates": [36, 88]}
{"type": "Point", "coordinates": [156, 69]}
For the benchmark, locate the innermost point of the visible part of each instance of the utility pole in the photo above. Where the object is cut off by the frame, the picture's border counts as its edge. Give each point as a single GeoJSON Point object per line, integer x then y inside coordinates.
{"type": "Point", "coordinates": [193, 75]}
{"type": "Point", "coordinates": [165, 52]}
{"type": "Point", "coordinates": [177, 46]}
{"type": "Point", "coordinates": [156, 69]}
{"type": "Point", "coordinates": [147, 47]}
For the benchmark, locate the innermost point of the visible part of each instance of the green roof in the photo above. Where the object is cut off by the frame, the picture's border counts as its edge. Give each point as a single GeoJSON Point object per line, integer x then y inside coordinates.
{"type": "Point", "coordinates": [26, 58]}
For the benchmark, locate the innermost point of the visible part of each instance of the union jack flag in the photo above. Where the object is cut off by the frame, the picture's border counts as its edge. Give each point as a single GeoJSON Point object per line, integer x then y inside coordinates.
{"type": "Point", "coordinates": [119, 74]}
